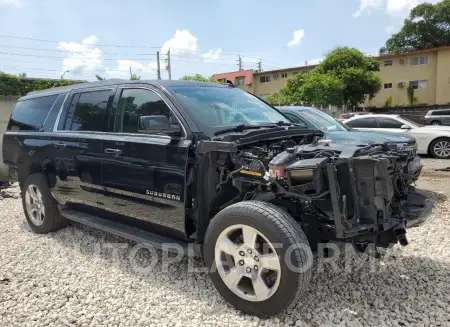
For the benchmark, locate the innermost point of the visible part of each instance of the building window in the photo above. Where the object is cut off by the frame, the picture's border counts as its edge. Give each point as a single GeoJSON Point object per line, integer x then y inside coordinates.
{"type": "Point", "coordinates": [388, 62]}
{"type": "Point", "coordinates": [388, 85]}
{"type": "Point", "coordinates": [283, 75]}
{"type": "Point", "coordinates": [419, 84]}
{"type": "Point", "coordinates": [264, 79]}
{"type": "Point", "coordinates": [240, 80]}
{"type": "Point", "coordinates": [294, 73]}
{"type": "Point", "coordinates": [419, 60]}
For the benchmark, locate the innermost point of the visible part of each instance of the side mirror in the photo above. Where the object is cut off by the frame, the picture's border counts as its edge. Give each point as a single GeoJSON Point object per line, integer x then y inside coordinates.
{"type": "Point", "coordinates": [405, 127]}
{"type": "Point", "coordinates": [158, 124]}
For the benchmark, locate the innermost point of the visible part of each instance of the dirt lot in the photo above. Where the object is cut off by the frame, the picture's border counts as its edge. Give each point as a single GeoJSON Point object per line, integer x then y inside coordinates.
{"type": "Point", "coordinates": [83, 277]}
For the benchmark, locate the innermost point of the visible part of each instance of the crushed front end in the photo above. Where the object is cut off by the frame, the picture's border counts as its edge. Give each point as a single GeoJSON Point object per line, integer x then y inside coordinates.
{"type": "Point", "coordinates": [359, 194]}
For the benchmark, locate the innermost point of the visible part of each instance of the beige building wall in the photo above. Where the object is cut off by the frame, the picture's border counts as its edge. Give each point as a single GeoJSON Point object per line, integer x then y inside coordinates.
{"type": "Point", "coordinates": [400, 74]}
{"type": "Point", "coordinates": [276, 80]}
{"type": "Point", "coordinates": [443, 77]}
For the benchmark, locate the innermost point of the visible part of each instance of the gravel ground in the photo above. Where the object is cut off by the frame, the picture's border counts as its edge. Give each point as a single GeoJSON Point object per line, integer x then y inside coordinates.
{"type": "Point", "coordinates": [83, 277]}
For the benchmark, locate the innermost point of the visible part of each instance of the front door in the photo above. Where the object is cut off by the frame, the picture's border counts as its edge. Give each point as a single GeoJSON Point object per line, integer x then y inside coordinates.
{"type": "Point", "coordinates": [145, 174]}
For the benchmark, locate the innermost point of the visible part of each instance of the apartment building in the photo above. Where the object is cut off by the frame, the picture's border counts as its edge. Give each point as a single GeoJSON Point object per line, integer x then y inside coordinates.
{"type": "Point", "coordinates": [427, 71]}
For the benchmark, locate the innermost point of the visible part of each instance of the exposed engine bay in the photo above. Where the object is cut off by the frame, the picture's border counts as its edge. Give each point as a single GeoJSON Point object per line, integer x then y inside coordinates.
{"type": "Point", "coordinates": [359, 194]}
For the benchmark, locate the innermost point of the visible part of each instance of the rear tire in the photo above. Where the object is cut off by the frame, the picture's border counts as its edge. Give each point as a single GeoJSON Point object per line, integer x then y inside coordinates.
{"type": "Point", "coordinates": [440, 148]}
{"type": "Point", "coordinates": [40, 207]}
{"type": "Point", "coordinates": [267, 274]}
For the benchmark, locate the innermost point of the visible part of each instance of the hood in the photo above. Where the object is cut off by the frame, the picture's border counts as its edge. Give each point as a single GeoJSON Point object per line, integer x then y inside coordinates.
{"type": "Point", "coordinates": [361, 137]}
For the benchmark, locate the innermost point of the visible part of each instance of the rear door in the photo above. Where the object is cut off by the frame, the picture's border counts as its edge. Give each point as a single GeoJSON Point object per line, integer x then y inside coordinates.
{"type": "Point", "coordinates": [77, 142]}
{"type": "Point", "coordinates": [145, 174]}
{"type": "Point", "coordinates": [388, 124]}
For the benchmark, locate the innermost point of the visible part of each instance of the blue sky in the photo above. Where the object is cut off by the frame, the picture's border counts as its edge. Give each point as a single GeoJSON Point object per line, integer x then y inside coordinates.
{"type": "Point", "coordinates": [204, 36]}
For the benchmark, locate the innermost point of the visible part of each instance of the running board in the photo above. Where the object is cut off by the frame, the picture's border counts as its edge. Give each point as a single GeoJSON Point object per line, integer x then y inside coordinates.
{"type": "Point", "coordinates": [131, 233]}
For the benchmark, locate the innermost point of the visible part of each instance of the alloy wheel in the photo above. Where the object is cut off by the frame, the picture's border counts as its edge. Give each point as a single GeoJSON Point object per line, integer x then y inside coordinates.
{"type": "Point", "coordinates": [247, 263]}
{"type": "Point", "coordinates": [35, 205]}
{"type": "Point", "coordinates": [442, 149]}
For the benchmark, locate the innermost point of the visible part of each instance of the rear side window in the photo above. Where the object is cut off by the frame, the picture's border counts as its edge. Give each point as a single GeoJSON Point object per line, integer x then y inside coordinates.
{"type": "Point", "coordinates": [441, 113]}
{"type": "Point", "coordinates": [30, 115]}
{"type": "Point", "coordinates": [88, 111]}
{"type": "Point", "coordinates": [368, 122]}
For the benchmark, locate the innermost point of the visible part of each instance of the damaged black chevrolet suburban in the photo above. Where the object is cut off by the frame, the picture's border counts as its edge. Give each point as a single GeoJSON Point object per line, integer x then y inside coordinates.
{"type": "Point", "coordinates": [212, 167]}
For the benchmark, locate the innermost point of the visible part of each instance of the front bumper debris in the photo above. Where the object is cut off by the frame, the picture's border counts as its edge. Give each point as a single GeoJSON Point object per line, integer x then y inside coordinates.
{"type": "Point", "coordinates": [417, 208]}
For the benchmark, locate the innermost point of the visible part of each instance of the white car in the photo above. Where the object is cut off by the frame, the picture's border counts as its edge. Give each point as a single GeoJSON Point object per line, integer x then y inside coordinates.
{"type": "Point", "coordinates": [433, 140]}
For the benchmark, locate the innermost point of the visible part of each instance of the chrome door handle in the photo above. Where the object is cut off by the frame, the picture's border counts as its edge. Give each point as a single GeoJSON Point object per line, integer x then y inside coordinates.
{"type": "Point", "coordinates": [115, 152]}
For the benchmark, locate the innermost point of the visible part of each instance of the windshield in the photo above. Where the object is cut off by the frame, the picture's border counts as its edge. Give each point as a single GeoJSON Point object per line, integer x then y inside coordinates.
{"type": "Point", "coordinates": [323, 121]}
{"type": "Point", "coordinates": [409, 121]}
{"type": "Point", "coordinates": [216, 108]}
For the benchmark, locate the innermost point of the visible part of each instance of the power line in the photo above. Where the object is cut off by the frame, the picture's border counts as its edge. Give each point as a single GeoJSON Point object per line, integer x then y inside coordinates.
{"type": "Point", "coordinates": [124, 46]}
{"type": "Point", "coordinates": [81, 58]}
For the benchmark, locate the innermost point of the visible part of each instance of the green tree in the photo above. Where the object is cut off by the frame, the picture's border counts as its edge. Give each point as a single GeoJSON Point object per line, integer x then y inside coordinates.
{"type": "Point", "coordinates": [22, 75]}
{"type": "Point", "coordinates": [277, 99]}
{"type": "Point", "coordinates": [428, 26]}
{"type": "Point", "coordinates": [313, 88]}
{"type": "Point", "coordinates": [134, 77]}
{"type": "Point", "coordinates": [199, 78]}
{"type": "Point", "coordinates": [345, 76]}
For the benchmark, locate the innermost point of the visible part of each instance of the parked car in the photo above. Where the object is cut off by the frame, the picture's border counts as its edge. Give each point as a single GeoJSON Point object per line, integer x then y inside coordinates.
{"type": "Point", "coordinates": [437, 117]}
{"type": "Point", "coordinates": [433, 140]}
{"type": "Point", "coordinates": [206, 167]}
{"type": "Point", "coordinates": [339, 133]}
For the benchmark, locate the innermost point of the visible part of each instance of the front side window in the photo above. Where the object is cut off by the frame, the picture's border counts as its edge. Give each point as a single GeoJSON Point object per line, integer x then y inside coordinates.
{"type": "Point", "coordinates": [31, 114]}
{"type": "Point", "coordinates": [368, 122]}
{"type": "Point", "coordinates": [137, 103]}
{"type": "Point", "coordinates": [88, 111]}
{"type": "Point", "coordinates": [214, 108]}
{"type": "Point", "coordinates": [384, 122]}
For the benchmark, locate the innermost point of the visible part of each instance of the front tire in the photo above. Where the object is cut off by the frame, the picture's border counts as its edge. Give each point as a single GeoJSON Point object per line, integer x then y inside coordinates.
{"type": "Point", "coordinates": [436, 123]}
{"type": "Point", "coordinates": [440, 148]}
{"type": "Point", "coordinates": [259, 257]}
{"type": "Point", "coordinates": [40, 207]}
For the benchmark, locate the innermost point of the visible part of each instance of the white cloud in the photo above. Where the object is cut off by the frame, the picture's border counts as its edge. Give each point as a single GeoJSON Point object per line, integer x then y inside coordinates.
{"type": "Point", "coordinates": [298, 36]}
{"type": "Point", "coordinates": [315, 61]}
{"type": "Point", "coordinates": [212, 55]}
{"type": "Point", "coordinates": [85, 56]}
{"type": "Point", "coordinates": [368, 5]}
{"type": "Point", "coordinates": [10, 2]}
{"type": "Point", "coordinates": [402, 7]}
{"type": "Point", "coordinates": [183, 41]}
{"type": "Point", "coordinates": [392, 7]}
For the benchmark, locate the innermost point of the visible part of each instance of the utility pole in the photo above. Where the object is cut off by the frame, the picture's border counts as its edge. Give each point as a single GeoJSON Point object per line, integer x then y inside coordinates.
{"type": "Point", "coordinates": [131, 73]}
{"type": "Point", "coordinates": [159, 68]}
{"type": "Point", "coordinates": [239, 61]}
{"type": "Point", "coordinates": [259, 66]}
{"type": "Point", "coordinates": [169, 67]}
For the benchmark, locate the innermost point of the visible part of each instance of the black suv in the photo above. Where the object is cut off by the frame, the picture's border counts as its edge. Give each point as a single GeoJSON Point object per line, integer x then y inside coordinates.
{"type": "Point", "coordinates": [209, 166]}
